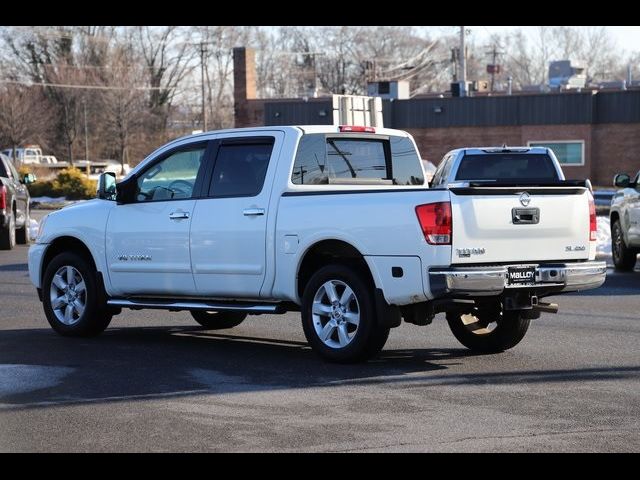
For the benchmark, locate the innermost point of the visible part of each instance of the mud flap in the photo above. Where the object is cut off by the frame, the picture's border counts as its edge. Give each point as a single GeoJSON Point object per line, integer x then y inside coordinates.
{"type": "Point", "coordinates": [387, 315]}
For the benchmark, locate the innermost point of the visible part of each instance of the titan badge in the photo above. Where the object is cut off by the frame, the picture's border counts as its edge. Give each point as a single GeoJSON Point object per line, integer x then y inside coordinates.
{"type": "Point", "coordinates": [134, 258]}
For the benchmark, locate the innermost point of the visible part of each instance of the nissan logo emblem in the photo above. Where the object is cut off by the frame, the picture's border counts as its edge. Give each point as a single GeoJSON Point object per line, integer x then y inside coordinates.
{"type": "Point", "coordinates": [525, 199]}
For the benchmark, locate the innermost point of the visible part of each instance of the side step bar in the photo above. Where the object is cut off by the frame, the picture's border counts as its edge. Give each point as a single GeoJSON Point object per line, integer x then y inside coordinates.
{"type": "Point", "coordinates": [138, 304]}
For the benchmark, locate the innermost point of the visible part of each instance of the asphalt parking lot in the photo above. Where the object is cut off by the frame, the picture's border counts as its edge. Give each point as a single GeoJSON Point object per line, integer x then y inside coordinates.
{"type": "Point", "coordinates": [155, 381]}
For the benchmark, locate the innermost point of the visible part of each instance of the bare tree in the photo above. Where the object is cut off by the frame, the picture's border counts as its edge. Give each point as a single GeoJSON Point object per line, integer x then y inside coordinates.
{"type": "Point", "coordinates": [167, 53]}
{"type": "Point", "coordinates": [527, 58]}
{"type": "Point", "coordinates": [49, 57]}
{"type": "Point", "coordinates": [123, 103]}
{"type": "Point", "coordinates": [22, 116]}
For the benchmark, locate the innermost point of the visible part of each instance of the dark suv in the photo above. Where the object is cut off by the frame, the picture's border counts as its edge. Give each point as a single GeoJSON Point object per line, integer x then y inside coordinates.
{"type": "Point", "coordinates": [14, 205]}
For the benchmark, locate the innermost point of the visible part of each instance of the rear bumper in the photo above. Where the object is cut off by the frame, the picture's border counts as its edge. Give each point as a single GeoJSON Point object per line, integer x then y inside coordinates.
{"type": "Point", "coordinates": [492, 280]}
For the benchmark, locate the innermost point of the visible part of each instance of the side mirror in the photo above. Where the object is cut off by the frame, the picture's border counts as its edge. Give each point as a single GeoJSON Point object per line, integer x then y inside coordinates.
{"type": "Point", "coordinates": [29, 178]}
{"type": "Point", "coordinates": [621, 180]}
{"type": "Point", "coordinates": [107, 186]}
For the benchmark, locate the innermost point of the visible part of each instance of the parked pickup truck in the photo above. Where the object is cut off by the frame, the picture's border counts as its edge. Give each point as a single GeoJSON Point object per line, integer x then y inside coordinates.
{"type": "Point", "coordinates": [335, 222]}
{"type": "Point", "coordinates": [14, 205]}
{"type": "Point", "coordinates": [625, 221]}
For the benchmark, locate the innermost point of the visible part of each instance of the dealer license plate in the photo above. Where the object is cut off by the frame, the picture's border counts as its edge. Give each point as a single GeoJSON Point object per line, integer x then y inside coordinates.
{"type": "Point", "coordinates": [521, 275]}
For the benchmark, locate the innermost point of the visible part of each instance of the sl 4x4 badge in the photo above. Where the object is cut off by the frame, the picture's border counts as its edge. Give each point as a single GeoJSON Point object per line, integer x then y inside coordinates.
{"type": "Point", "coordinates": [467, 252]}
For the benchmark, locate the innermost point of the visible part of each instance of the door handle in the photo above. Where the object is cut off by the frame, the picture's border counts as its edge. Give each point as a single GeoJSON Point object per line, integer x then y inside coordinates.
{"type": "Point", "coordinates": [178, 215]}
{"type": "Point", "coordinates": [253, 212]}
{"type": "Point", "coordinates": [525, 216]}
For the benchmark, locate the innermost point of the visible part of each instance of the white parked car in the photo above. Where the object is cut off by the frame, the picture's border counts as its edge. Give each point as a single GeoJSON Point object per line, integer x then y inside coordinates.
{"type": "Point", "coordinates": [335, 222]}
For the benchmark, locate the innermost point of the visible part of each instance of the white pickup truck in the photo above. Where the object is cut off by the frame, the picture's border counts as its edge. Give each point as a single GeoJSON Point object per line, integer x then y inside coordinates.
{"type": "Point", "coordinates": [625, 221]}
{"type": "Point", "coordinates": [335, 222]}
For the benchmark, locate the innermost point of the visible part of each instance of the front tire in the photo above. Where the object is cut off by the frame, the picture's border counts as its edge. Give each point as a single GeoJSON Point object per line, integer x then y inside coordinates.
{"type": "Point", "coordinates": [74, 304]}
{"type": "Point", "coordinates": [339, 317]}
{"type": "Point", "coordinates": [624, 258]}
{"type": "Point", "coordinates": [218, 320]}
{"type": "Point", "coordinates": [478, 332]}
{"type": "Point", "coordinates": [8, 234]}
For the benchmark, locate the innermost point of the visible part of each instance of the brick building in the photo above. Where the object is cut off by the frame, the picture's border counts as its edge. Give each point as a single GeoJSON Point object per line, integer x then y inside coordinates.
{"type": "Point", "coordinates": [594, 134]}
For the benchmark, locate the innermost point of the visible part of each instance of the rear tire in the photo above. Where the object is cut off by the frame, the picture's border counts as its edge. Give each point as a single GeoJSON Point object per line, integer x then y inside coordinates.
{"type": "Point", "coordinates": [74, 304]}
{"type": "Point", "coordinates": [22, 234]}
{"type": "Point", "coordinates": [218, 320]}
{"type": "Point", "coordinates": [624, 258]}
{"type": "Point", "coordinates": [8, 234]}
{"type": "Point", "coordinates": [339, 317]}
{"type": "Point", "coordinates": [473, 331]}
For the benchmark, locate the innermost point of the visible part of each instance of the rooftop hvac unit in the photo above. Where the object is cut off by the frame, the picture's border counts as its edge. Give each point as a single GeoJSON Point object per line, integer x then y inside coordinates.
{"type": "Point", "coordinates": [357, 110]}
{"type": "Point", "coordinates": [564, 75]}
{"type": "Point", "coordinates": [389, 90]}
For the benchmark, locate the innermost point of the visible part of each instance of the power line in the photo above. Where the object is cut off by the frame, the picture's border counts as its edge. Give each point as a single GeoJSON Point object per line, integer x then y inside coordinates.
{"type": "Point", "coordinates": [84, 87]}
{"type": "Point", "coordinates": [423, 52]}
{"type": "Point", "coordinates": [59, 35]}
{"type": "Point", "coordinates": [90, 67]}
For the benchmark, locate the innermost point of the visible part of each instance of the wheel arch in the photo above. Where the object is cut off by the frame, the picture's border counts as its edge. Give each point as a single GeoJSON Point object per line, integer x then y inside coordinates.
{"type": "Point", "coordinates": [328, 251]}
{"type": "Point", "coordinates": [615, 215]}
{"type": "Point", "coordinates": [66, 244]}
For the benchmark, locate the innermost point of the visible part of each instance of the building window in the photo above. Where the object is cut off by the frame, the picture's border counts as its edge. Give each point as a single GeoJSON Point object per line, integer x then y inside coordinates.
{"type": "Point", "coordinates": [568, 152]}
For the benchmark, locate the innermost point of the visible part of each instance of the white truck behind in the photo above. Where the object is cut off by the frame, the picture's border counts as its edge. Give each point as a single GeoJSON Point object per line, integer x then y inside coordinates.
{"type": "Point", "coordinates": [335, 222]}
{"type": "Point", "coordinates": [624, 218]}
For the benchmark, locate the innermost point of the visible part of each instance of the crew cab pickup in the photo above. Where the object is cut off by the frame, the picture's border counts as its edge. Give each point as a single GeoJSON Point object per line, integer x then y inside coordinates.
{"type": "Point", "coordinates": [335, 222]}
{"type": "Point", "coordinates": [625, 221]}
{"type": "Point", "coordinates": [14, 205]}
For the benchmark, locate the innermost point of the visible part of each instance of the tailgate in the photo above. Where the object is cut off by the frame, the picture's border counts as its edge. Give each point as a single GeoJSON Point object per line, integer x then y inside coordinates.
{"type": "Point", "coordinates": [502, 224]}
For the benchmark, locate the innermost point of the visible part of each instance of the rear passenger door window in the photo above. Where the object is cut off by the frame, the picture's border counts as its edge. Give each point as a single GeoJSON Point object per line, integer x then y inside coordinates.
{"type": "Point", "coordinates": [240, 167]}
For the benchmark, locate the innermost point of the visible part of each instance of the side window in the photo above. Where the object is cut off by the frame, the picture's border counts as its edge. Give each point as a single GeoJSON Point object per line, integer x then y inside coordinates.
{"type": "Point", "coordinates": [406, 164]}
{"type": "Point", "coordinates": [440, 175]}
{"type": "Point", "coordinates": [309, 167]}
{"type": "Point", "coordinates": [12, 170]}
{"type": "Point", "coordinates": [173, 177]}
{"type": "Point", "coordinates": [4, 170]}
{"type": "Point", "coordinates": [240, 168]}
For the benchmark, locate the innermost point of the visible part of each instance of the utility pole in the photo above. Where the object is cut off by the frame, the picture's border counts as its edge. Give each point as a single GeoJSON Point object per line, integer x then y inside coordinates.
{"type": "Point", "coordinates": [463, 57]}
{"type": "Point", "coordinates": [86, 135]}
{"type": "Point", "coordinates": [203, 51]}
{"type": "Point", "coordinates": [455, 63]}
{"type": "Point", "coordinates": [495, 68]}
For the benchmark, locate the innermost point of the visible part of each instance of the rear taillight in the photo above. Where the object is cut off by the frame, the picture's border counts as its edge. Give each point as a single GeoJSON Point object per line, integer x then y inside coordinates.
{"type": "Point", "coordinates": [593, 222]}
{"type": "Point", "coordinates": [3, 197]}
{"type": "Point", "coordinates": [435, 220]}
{"type": "Point", "coordinates": [356, 128]}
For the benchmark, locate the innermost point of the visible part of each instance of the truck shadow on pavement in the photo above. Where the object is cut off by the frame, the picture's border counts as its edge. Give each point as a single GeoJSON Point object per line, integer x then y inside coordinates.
{"type": "Point", "coordinates": [40, 369]}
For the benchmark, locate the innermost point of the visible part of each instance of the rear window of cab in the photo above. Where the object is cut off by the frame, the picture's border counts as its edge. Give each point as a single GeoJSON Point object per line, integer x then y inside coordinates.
{"type": "Point", "coordinates": [507, 167]}
{"type": "Point", "coordinates": [324, 159]}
